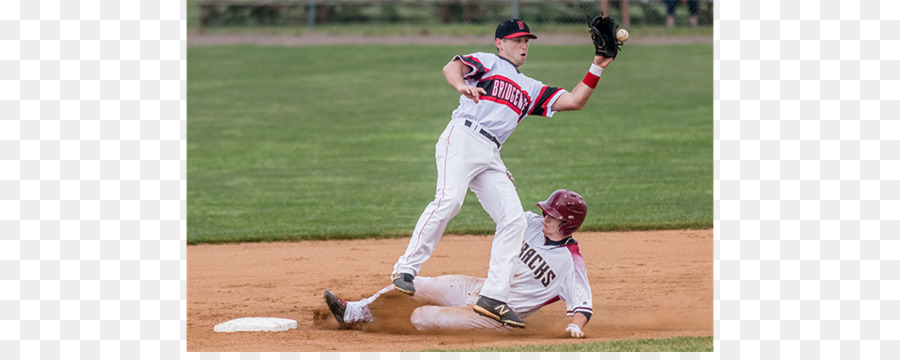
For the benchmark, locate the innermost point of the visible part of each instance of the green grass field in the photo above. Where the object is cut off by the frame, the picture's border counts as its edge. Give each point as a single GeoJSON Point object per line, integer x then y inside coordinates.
{"type": "Point", "coordinates": [676, 344]}
{"type": "Point", "coordinates": [326, 142]}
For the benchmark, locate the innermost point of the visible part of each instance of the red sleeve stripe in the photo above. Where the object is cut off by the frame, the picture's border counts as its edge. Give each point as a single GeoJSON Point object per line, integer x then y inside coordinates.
{"type": "Point", "coordinates": [478, 68]}
{"type": "Point", "coordinates": [537, 105]}
{"type": "Point", "coordinates": [540, 107]}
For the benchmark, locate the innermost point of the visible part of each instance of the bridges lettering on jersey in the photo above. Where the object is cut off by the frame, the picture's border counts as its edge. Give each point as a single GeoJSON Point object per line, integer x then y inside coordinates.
{"type": "Point", "coordinates": [502, 90]}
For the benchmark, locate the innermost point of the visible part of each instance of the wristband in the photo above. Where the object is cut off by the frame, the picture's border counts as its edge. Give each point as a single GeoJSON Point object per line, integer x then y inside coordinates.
{"type": "Point", "coordinates": [592, 76]}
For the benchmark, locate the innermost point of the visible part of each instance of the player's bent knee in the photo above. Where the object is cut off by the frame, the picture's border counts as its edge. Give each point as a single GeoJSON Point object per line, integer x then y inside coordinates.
{"type": "Point", "coordinates": [515, 224]}
{"type": "Point", "coordinates": [422, 318]}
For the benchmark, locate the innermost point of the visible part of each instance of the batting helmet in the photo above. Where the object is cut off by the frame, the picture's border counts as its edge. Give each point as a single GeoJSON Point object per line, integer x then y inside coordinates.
{"type": "Point", "coordinates": [567, 206]}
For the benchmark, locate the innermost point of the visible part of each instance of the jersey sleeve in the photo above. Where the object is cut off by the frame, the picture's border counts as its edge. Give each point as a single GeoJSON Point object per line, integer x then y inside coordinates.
{"type": "Point", "coordinates": [544, 101]}
{"type": "Point", "coordinates": [577, 292]}
{"type": "Point", "coordinates": [477, 62]}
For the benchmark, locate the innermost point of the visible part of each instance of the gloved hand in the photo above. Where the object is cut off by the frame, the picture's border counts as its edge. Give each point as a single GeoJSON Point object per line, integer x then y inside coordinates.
{"type": "Point", "coordinates": [574, 331]}
{"type": "Point", "coordinates": [603, 35]}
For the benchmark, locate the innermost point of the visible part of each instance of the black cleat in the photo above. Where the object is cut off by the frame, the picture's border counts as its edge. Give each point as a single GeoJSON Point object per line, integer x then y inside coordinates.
{"type": "Point", "coordinates": [337, 307]}
{"type": "Point", "coordinates": [403, 282]}
{"type": "Point", "coordinates": [499, 311]}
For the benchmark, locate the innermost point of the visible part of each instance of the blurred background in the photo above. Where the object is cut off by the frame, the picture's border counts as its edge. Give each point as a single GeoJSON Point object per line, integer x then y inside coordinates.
{"type": "Point", "coordinates": [426, 17]}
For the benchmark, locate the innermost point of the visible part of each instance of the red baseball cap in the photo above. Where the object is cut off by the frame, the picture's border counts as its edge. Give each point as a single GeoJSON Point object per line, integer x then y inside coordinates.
{"type": "Point", "coordinates": [513, 28]}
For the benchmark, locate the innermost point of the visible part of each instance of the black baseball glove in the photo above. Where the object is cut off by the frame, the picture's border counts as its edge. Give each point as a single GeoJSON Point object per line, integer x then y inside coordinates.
{"type": "Point", "coordinates": [603, 34]}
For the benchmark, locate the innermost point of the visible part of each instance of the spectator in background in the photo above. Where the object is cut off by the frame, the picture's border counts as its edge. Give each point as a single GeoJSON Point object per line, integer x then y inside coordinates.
{"type": "Point", "coordinates": [693, 7]}
{"type": "Point", "coordinates": [625, 21]}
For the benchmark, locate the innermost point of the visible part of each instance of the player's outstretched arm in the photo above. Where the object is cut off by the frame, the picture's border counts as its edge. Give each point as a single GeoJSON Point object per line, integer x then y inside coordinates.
{"type": "Point", "coordinates": [454, 73]}
{"type": "Point", "coordinates": [574, 329]}
{"type": "Point", "coordinates": [578, 97]}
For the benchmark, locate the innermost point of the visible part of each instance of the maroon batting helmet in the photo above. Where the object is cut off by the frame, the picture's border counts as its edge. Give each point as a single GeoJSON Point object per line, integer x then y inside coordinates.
{"type": "Point", "coordinates": [567, 206]}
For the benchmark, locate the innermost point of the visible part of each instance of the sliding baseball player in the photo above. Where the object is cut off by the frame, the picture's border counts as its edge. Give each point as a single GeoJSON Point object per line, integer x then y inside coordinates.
{"type": "Point", "coordinates": [548, 268]}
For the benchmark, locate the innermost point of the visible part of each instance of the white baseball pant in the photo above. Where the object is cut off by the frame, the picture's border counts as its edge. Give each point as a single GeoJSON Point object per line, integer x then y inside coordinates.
{"type": "Point", "coordinates": [453, 295]}
{"type": "Point", "coordinates": [467, 160]}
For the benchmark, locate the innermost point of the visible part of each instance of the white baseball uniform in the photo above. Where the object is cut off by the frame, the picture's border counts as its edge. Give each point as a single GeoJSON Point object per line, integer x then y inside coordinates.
{"type": "Point", "coordinates": [545, 271]}
{"type": "Point", "coordinates": [468, 157]}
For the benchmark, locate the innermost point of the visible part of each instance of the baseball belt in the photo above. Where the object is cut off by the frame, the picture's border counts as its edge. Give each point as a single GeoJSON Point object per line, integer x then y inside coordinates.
{"type": "Point", "coordinates": [484, 133]}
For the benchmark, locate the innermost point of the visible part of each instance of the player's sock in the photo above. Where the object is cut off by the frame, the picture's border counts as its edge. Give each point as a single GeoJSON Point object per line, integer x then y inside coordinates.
{"type": "Point", "coordinates": [357, 311]}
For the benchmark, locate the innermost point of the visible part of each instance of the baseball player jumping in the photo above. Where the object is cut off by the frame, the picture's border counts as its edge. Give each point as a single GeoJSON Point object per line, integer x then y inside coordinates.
{"type": "Point", "coordinates": [495, 97]}
{"type": "Point", "coordinates": [547, 267]}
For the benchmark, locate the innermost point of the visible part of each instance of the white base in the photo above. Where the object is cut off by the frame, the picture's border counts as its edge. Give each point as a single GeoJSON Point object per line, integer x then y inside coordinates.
{"type": "Point", "coordinates": [256, 324]}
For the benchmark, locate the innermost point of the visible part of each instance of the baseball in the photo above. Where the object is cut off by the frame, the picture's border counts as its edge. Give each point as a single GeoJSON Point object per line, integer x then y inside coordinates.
{"type": "Point", "coordinates": [622, 35]}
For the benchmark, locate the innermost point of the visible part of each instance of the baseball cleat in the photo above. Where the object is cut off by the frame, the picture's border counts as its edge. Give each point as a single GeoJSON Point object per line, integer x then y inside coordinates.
{"type": "Point", "coordinates": [499, 311]}
{"type": "Point", "coordinates": [337, 307]}
{"type": "Point", "coordinates": [403, 282]}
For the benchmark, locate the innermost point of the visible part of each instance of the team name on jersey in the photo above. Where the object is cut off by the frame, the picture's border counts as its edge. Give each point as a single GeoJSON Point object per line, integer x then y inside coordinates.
{"type": "Point", "coordinates": [534, 261]}
{"type": "Point", "coordinates": [505, 91]}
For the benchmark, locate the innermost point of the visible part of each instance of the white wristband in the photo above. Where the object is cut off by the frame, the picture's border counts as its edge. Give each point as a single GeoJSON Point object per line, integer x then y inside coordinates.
{"type": "Point", "coordinates": [596, 70]}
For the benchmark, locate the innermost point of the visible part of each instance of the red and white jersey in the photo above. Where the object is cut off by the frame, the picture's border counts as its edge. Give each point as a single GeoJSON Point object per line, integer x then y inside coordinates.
{"type": "Point", "coordinates": [510, 95]}
{"type": "Point", "coordinates": [547, 271]}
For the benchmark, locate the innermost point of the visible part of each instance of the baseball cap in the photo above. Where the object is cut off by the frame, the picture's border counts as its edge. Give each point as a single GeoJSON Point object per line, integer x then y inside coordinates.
{"type": "Point", "coordinates": [513, 28]}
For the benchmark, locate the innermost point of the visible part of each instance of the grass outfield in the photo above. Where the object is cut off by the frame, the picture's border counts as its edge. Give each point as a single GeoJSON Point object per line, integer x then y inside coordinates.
{"type": "Point", "coordinates": [328, 142]}
{"type": "Point", "coordinates": [676, 344]}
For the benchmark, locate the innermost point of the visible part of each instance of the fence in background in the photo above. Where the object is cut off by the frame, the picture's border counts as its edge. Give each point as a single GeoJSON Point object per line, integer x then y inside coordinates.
{"type": "Point", "coordinates": [312, 13]}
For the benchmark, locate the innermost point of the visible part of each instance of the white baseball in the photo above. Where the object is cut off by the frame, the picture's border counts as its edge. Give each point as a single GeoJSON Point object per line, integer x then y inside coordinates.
{"type": "Point", "coordinates": [622, 35]}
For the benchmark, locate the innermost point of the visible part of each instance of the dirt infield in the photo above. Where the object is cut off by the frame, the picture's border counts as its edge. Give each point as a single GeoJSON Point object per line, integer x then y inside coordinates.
{"type": "Point", "coordinates": [651, 284]}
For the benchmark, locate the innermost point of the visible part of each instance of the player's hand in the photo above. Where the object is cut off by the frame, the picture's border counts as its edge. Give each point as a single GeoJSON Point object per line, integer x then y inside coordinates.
{"type": "Point", "coordinates": [602, 61]}
{"type": "Point", "coordinates": [574, 331]}
{"type": "Point", "coordinates": [472, 92]}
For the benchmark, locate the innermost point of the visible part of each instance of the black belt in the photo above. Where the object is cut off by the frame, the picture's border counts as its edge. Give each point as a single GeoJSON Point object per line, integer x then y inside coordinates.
{"type": "Point", "coordinates": [484, 133]}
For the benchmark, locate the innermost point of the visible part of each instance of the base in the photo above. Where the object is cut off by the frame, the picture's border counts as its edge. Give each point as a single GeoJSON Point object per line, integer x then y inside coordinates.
{"type": "Point", "coordinates": [256, 324]}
